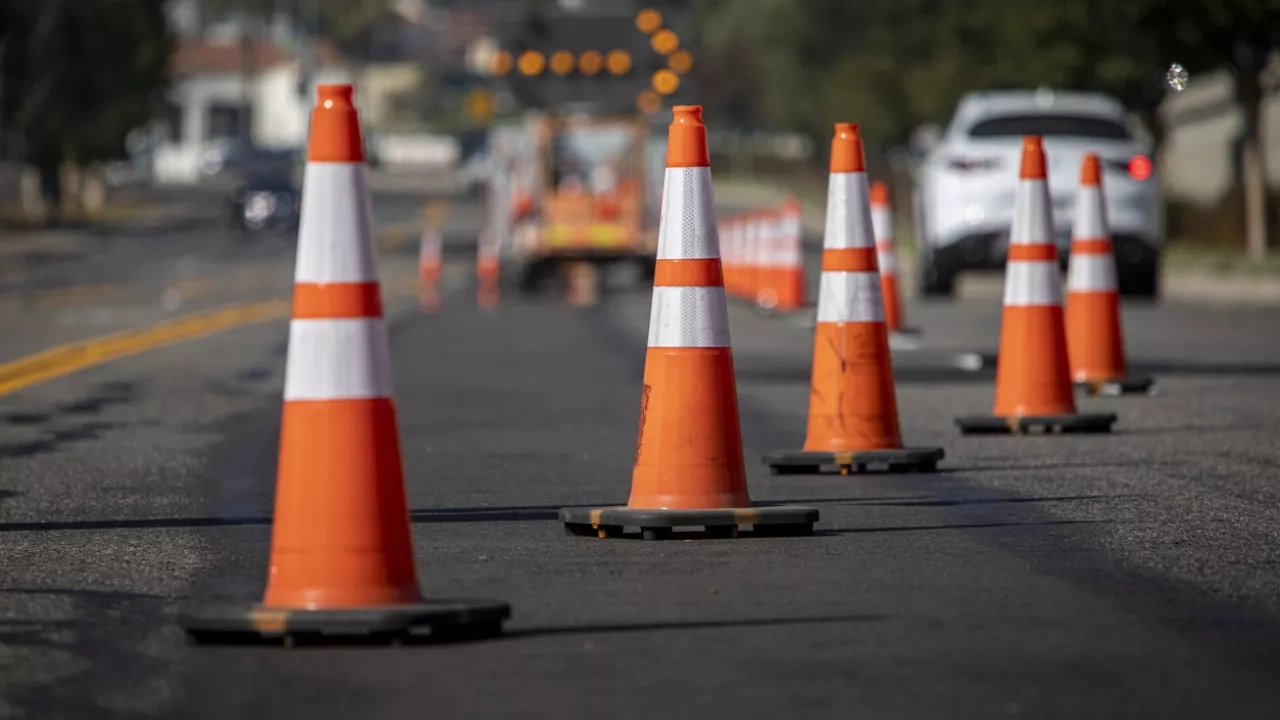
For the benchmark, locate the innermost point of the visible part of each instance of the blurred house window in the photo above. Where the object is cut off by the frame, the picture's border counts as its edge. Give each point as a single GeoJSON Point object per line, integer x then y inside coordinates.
{"type": "Point", "coordinates": [224, 122]}
{"type": "Point", "coordinates": [173, 124]}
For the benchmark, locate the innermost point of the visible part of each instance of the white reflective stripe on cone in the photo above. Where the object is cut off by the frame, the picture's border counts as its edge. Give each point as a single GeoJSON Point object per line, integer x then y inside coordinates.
{"type": "Point", "coordinates": [335, 233]}
{"type": "Point", "coordinates": [1032, 283]}
{"type": "Point", "coordinates": [888, 262]}
{"type": "Point", "coordinates": [688, 317]}
{"type": "Point", "coordinates": [848, 222]}
{"type": "Point", "coordinates": [882, 222]}
{"type": "Point", "coordinates": [1091, 273]}
{"type": "Point", "coordinates": [1032, 217]}
{"type": "Point", "coordinates": [850, 297]}
{"type": "Point", "coordinates": [688, 229]}
{"type": "Point", "coordinates": [1091, 218]}
{"type": "Point", "coordinates": [338, 359]}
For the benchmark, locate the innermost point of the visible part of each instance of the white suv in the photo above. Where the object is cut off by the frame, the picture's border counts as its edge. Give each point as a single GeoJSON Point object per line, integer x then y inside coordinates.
{"type": "Point", "coordinates": [964, 194]}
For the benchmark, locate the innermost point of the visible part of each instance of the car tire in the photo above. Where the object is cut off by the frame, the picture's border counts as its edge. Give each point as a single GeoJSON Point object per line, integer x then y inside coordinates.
{"type": "Point", "coordinates": [1141, 281]}
{"type": "Point", "coordinates": [936, 280]}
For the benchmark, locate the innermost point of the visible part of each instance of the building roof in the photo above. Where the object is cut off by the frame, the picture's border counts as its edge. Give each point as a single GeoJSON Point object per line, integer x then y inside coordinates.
{"type": "Point", "coordinates": [201, 57]}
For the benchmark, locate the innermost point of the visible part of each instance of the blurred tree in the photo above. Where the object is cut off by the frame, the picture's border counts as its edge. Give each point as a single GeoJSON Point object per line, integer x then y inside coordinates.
{"type": "Point", "coordinates": [78, 77]}
{"type": "Point", "coordinates": [349, 24]}
{"type": "Point", "coordinates": [1242, 36]}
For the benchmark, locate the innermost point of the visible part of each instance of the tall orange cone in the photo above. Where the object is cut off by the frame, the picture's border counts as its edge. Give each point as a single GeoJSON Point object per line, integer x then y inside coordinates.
{"type": "Point", "coordinates": [688, 468]}
{"type": "Point", "coordinates": [887, 257]}
{"type": "Point", "coordinates": [1033, 379]}
{"type": "Point", "coordinates": [1095, 342]}
{"type": "Point", "coordinates": [430, 254]}
{"type": "Point", "coordinates": [341, 555]}
{"type": "Point", "coordinates": [853, 410]}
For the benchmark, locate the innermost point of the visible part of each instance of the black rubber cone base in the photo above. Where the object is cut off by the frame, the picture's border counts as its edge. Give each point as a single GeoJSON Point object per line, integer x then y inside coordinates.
{"type": "Point", "coordinates": [431, 621]}
{"type": "Point", "coordinates": [1123, 386]}
{"type": "Point", "coordinates": [1077, 423]}
{"type": "Point", "coordinates": [765, 521]}
{"type": "Point", "coordinates": [898, 460]}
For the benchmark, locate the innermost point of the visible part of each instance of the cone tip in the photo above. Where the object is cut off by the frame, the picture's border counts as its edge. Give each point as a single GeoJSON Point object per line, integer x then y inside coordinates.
{"type": "Point", "coordinates": [1091, 172]}
{"type": "Point", "coordinates": [879, 193]}
{"type": "Point", "coordinates": [1032, 158]}
{"type": "Point", "coordinates": [687, 138]}
{"type": "Point", "coordinates": [338, 92]}
{"type": "Point", "coordinates": [686, 115]}
{"type": "Point", "coordinates": [846, 149]}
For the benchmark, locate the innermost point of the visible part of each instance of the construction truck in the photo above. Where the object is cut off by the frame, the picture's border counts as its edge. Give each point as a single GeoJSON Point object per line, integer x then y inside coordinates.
{"type": "Point", "coordinates": [581, 194]}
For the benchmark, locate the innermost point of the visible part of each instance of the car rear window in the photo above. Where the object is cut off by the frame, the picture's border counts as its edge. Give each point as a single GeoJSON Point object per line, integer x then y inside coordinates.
{"type": "Point", "coordinates": [1047, 125]}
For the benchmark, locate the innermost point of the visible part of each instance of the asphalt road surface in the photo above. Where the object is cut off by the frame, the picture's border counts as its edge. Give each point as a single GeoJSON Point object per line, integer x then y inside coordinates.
{"type": "Point", "coordinates": [1135, 574]}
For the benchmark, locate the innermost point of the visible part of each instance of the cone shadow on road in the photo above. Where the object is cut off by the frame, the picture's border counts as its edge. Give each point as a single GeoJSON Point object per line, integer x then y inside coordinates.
{"type": "Point", "coordinates": [437, 515]}
{"type": "Point", "coordinates": [610, 628]}
{"type": "Point", "coordinates": [982, 364]}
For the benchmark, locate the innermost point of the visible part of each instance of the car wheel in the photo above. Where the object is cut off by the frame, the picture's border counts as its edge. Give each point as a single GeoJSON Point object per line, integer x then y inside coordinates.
{"type": "Point", "coordinates": [1141, 280]}
{"type": "Point", "coordinates": [936, 281]}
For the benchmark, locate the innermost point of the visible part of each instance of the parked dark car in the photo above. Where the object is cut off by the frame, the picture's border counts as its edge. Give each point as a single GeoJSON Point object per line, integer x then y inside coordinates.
{"type": "Point", "coordinates": [266, 199]}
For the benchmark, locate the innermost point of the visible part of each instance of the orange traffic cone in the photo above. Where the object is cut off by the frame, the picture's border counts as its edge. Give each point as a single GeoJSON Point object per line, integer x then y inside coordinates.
{"type": "Point", "coordinates": [766, 260]}
{"type": "Point", "coordinates": [688, 468]}
{"type": "Point", "coordinates": [853, 410]}
{"type": "Point", "coordinates": [887, 256]}
{"type": "Point", "coordinates": [1095, 342]}
{"type": "Point", "coordinates": [429, 265]}
{"type": "Point", "coordinates": [789, 280]}
{"type": "Point", "coordinates": [487, 268]}
{"type": "Point", "coordinates": [341, 555]}
{"type": "Point", "coordinates": [1033, 379]}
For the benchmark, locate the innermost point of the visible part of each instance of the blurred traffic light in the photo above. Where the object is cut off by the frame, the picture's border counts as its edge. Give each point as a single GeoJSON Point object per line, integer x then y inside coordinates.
{"type": "Point", "coordinates": [561, 62]}
{"type": "Point", "coordinates": [680, 61]}
{"type": "Point", "coordinates": [618, 62]}
{"type": "Point", "coordinates": [531, 62]}
{"type": "Point", "coordinates": [648, 21]}
{"type": "Point", "coordinates": [648, 102]}
{"type": "Point", "coordinates": [502, 62]}
{"type": "Point", "coordinates": [665, 42]}
{"type": "Point", "coordinates": [590, 62]}
{"type": "Point", "coordinates": [665, 82]}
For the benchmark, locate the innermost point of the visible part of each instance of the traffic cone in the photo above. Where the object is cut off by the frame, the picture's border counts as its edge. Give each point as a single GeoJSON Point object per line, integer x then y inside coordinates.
{"type": "Point", "coordinates": [766, 260]}
{"type": "Point", "coordinates": [853, 410]}
{"type": "Point", "coordinates": [1095, 342]}
{"type": "Point", "coordinates": [734, 228]}
{"type": "Point", "coordinates": [688, 467]}
{"type": "Point", "coordinates": [1033, 378]}
{"type": "Point", "coordinates": [753, 250]}
{"type": "Point", "coordinates": [887, 257]}
{"type": "Point", "coordinates": [789, 280]}
{"type": "Point", "coordinates": [488, 268]}
{"type": "Point", "coordinates": [342, 559]}
{"type": "Point", "coordinates": [429, 264]}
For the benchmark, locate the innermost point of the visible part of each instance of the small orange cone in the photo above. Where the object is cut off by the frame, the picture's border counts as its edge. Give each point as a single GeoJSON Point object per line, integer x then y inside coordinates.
{"type": "Point", "coordinates": [688, 468]}
{"type": "Point", "coordinates": [1095, 342]}
{"type": "Point", "coordinates": [887, 256]}
{"type": "Point", "coordinates": [341, 554]}
{"type": "Point", "coordinates": [1033, 378]}
{"type": "Point", "coordinates": [789, 282]}
{"type": "Point", "coordinates": [853, 410]}
{"type": "Point", "coordinates": [488, 268]}
{"type": "Point", "coordinates": [767, 260]}
{"type": "Point", "coordinates": [429, 265]}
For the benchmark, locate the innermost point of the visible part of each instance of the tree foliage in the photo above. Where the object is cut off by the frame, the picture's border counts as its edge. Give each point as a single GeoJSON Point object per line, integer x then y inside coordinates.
{"type": "Point", "coordinates": [79, 76]}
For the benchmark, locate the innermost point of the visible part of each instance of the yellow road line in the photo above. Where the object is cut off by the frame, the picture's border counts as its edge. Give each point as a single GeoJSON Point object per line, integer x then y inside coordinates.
{"type": "Point", "coordinates": [67, 359]}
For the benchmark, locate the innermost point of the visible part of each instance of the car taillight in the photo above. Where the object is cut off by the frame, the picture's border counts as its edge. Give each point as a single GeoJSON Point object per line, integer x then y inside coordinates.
{"type": "Point", "coordinates": [971, 164]}
{"type": "Point", "coordinates": [1139, 167]}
